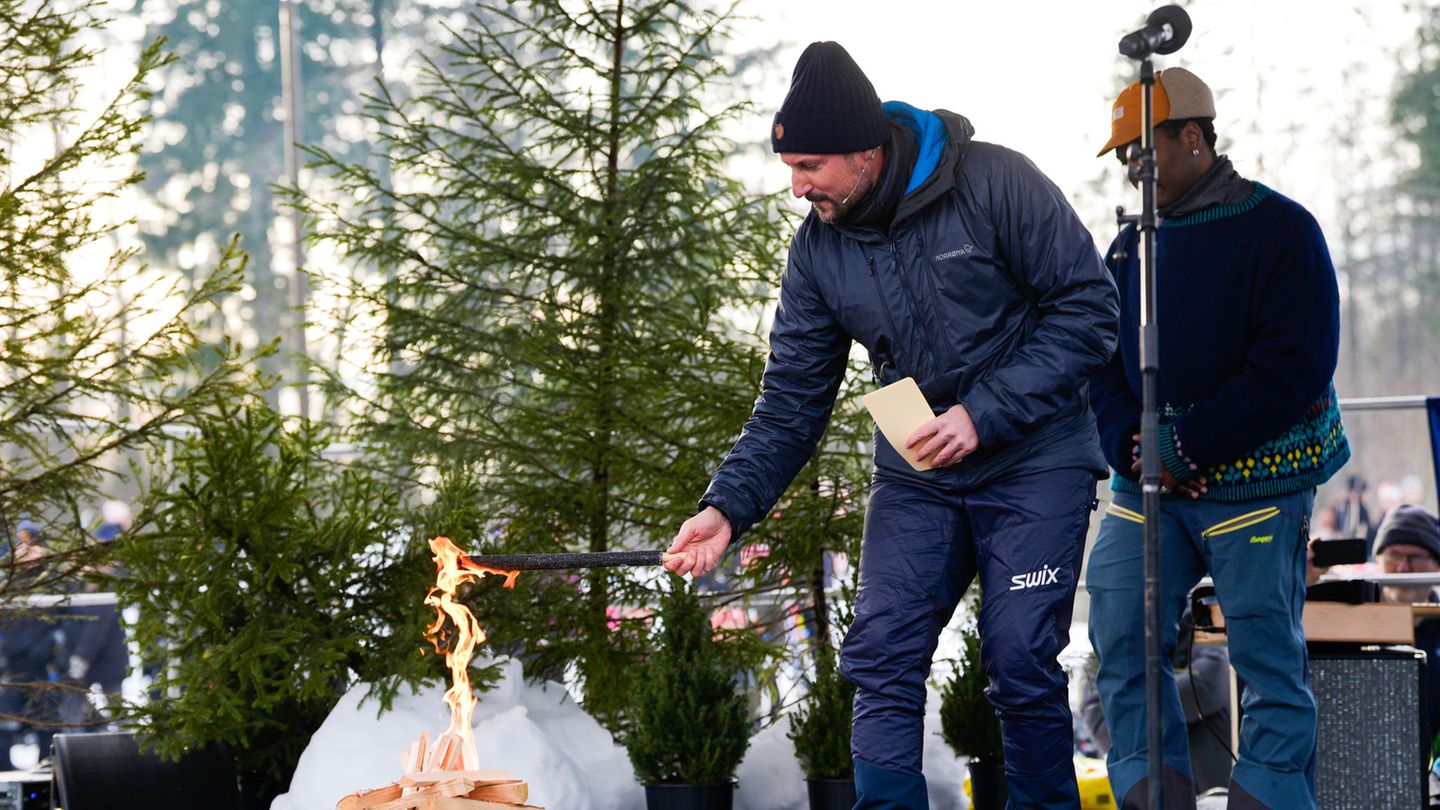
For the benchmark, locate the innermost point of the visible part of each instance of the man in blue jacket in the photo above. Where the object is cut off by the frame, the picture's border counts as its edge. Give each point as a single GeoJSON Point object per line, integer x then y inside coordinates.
{"type": "Point", "coordinates": [1249, 319]}
{"type": "Point", "coordinates": [957, 263]}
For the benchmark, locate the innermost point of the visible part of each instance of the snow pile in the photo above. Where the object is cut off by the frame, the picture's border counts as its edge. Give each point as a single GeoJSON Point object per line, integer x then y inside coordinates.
{"type": "Point", "coordinates": [539, 734]}
{"type": "Point", "coordinates": [770, 777]}
{"type": "Point", "coordinates": [944, 772]}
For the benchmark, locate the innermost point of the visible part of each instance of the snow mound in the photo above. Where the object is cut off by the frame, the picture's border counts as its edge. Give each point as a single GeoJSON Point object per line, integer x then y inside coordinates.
{"type": "Point", "coordinates": [536, 732]}
{"type": "Point", "coordinates": [770, 776]}
{"type": "Point", "coordinates": [539, 733]}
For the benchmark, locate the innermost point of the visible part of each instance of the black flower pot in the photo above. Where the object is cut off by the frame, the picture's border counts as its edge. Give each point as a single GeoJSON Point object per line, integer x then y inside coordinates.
{"type": "Point", "coordinates": [831, 794]}
{"type": "Point", "coordinates": [987, 784]}
{"type": "Point", "coordinates": [712, 796]}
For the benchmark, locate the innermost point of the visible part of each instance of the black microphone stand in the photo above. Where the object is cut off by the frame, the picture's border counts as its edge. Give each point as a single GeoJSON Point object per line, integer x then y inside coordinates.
{"type": "Point", "coordinates": [1147, 223]}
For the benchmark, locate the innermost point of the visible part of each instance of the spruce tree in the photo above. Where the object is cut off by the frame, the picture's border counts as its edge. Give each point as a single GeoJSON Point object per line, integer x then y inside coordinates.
{"type": "Point", "coordinates": [967, 719]}
{"type": "Point", "coordinates": [820, 729]}
{"type": "Point", "coordinates": [101, 358]}
{"type": "Point", "coordinates": [688, 723]}
{"type": "Point", "coordinates": [269, 579]}
{"type": "Point", "coordinates": [571, 270]}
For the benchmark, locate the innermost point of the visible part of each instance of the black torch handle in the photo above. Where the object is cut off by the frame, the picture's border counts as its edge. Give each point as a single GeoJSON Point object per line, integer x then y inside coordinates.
{"type": "Point", "coordinates": [549, 562]}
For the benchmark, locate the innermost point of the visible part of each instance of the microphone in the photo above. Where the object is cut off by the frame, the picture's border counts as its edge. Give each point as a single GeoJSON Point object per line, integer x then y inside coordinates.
{"type": "Point", "coordinates": [860, 177]}
{"type": "Point", "coordinates": [1166, 29]}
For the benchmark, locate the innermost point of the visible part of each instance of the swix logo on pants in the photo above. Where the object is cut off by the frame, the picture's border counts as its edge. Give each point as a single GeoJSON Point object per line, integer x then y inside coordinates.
{"type": "Point", "coordinates": [1035, 579]}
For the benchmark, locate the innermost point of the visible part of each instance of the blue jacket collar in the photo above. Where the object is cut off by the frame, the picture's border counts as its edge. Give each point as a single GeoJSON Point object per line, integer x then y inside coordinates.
{"type": "Point", "coordinates": [930, 138]}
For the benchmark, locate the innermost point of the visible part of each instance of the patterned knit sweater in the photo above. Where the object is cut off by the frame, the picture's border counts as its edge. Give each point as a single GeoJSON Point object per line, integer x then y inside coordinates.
{"type": "Point", "coordinates": [1249, 317]}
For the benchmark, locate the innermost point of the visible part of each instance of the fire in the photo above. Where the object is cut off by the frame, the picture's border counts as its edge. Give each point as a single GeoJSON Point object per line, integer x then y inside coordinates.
{"type": "Point", "coordinates": [455, 749]}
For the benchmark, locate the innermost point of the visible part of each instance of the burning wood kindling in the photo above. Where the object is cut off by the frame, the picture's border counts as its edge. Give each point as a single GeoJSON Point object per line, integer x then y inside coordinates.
{"type": "Point", "coordinates": [444, 774]}
{"type": "Point", "coordinates": [445, 790]}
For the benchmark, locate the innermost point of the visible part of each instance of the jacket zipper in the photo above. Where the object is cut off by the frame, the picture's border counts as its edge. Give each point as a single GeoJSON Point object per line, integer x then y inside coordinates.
{"type": "Point", "coordinates": [927, 270]}
{"type": "Point", "coordinates": [885, 306]}
{"type": "Point", "coordinates": [928, 349]}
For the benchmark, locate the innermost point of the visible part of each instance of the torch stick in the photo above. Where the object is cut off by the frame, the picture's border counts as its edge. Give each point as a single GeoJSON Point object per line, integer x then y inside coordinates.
{"type": "Point", "coordinates": [550, 562]}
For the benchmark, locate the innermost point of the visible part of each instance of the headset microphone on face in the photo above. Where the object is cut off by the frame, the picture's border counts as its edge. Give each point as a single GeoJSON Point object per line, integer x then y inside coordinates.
{"type": "Point", "coordinates": [860, 177]}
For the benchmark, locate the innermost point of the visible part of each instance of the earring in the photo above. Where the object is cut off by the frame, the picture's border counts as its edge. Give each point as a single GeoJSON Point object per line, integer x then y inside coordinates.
{"type": "Point", "coordinates": [1195, 152]}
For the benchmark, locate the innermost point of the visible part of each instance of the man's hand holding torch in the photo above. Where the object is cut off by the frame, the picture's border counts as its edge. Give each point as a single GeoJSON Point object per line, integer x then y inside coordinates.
{"type": "Point", "coordinates": [699, 543]}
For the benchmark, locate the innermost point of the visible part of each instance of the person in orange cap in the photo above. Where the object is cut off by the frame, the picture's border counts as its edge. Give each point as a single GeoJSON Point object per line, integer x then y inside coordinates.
{"type": "Point", "coordinates": [1249, 330]}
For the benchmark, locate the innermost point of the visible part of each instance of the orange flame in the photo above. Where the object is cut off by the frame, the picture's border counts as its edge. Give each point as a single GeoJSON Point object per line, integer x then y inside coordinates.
{"type": "Point", "coordinates": [453, 569]}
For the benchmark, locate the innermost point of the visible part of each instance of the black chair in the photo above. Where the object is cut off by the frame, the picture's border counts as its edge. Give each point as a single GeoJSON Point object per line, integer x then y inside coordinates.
{"type": "Point", "coordinates": [109, 772]}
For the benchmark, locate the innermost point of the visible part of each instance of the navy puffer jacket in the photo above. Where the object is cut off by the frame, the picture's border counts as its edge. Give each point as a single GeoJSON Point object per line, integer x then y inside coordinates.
{"type": "Point", "coordinates": [987, 290]}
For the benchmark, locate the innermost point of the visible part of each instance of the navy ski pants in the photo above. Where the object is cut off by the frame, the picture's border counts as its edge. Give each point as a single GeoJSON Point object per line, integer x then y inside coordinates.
{"type": "Point", "coordinates": [924, 545]}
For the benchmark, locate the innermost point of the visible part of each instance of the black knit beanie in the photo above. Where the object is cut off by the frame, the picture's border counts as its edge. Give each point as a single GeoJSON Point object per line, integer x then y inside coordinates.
{"type": "Point", "coordinates": [831, 108]}
{"type": "Point", "coordinates": [1411, 525]}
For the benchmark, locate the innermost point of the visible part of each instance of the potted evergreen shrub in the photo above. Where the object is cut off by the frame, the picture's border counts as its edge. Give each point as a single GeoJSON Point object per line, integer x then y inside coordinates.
{"type": "Point", "coordinates": [970, 727]}
{"type": "Point", "coordinates": [821, 732]}
{"type": "Point", "coordinates": [689, 725]}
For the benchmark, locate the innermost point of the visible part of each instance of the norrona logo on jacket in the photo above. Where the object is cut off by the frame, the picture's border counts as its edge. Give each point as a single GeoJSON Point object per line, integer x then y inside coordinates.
{"type": "Point", "coordinates": [955, 254]}
{"type": "Point", "coordinates": [1034, 579]}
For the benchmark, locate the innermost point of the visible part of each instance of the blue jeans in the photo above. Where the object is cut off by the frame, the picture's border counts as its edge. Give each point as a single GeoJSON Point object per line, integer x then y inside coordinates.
{"type": "Point", "coordinates": [923, 547]}
{"type": "Point", "coordinates": [1255, 553]}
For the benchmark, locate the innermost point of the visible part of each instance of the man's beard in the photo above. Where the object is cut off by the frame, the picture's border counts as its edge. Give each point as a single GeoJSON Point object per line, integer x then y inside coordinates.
{"type": "Point", "coordinates": [837, 211]}
{"type": "Point", "coordinates": [841, 207]}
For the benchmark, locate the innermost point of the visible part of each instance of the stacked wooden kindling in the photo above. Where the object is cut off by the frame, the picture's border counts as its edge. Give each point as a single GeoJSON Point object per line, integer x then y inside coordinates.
{"type": "Point", "coordinates": [434, 780]}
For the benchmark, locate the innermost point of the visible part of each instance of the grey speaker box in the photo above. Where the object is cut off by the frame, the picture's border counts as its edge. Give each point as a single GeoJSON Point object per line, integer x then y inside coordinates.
{"type": "Point", "coordinates": [1373, 750]}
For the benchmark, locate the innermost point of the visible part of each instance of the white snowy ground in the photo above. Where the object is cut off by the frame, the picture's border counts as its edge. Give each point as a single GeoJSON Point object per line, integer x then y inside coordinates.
{"type": "Point", "coordinates": [541, 735]}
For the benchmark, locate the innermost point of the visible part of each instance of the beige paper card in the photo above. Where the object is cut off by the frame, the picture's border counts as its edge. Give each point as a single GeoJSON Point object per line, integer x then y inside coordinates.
{"type": "Point", "coordinates": [899, 408]}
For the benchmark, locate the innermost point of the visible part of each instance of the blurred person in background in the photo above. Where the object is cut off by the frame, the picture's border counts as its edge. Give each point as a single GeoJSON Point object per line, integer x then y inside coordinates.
{"type": "Point", "coordinates": [1388, 495]}
{"type": "Point", "coordinates": [29, 547]}
{"type": "Point", "coordinates": [1352, 516]}
{"type": "Point", "coordinates": [95, 653]}
{"type": "Point", "coordinates": [30, 645]}
{"type": "Point", "coordinates": [1409, 543]}
{"type": "Point", "coordinates": [115, 518]}
{"type": "Point", "coordinates": [1412, 489]}
{"type": "Point", "coordinates": [1325, 525]}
